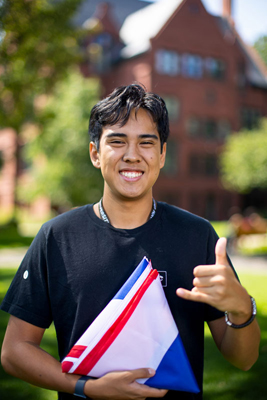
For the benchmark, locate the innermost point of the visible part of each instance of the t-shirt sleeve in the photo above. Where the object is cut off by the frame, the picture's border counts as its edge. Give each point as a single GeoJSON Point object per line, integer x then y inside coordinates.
{"type": "Point", "coordinates": [28, 295]}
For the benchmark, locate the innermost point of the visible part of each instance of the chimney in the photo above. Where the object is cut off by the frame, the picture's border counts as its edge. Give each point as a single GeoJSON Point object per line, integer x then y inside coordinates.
{"type": "Point", "coordinates": [227, 9]}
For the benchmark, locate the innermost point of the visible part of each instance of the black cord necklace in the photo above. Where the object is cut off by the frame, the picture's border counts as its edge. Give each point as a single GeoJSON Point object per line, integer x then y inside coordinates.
{"type": "Point", "coordinates": [104, 216]}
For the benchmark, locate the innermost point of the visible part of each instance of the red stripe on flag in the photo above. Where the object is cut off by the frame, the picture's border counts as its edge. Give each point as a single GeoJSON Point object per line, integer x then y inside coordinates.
{"type": "Point", "coordinates": [108, 338]}
{"type": "Point", "coordinates": [76, 351]}
{"type": "Point", "coordinates": [66, 366]}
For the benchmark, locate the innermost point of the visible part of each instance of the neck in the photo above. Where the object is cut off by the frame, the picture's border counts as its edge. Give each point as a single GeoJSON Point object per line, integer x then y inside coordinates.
{"type": "Point", "coordinates": [126, 214]}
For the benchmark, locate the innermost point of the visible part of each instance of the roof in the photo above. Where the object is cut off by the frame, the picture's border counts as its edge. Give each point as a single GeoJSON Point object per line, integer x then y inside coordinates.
{"type": "Point", "coordinates": [136, 32]}
{"type": "Point", "coordinates": [120, 9]}
{"type": "Point", "coordinates": [256, 70]}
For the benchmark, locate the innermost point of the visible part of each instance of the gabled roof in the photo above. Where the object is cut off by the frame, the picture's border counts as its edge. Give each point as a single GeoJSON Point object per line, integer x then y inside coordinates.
{"type": "Point", "coordinates": [136, 31]}
{"type": "Point", "coordinates": [256, 70]}
{"type": "Point", "coordinates": [144, 24]}
{"type": "Point", "coordinates": [120, 9]}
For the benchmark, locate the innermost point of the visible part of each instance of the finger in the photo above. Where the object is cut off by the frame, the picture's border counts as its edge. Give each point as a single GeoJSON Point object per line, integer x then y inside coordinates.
{"type": "Point", "coordinates": [147, 390]}
{"type": "Point", "coordinates": [193, 295]}
{"type": "Point", "coordinates": [206, 270]}
{"type": "Point", "coordinates": [142, 373]}
{"type": "Point", "coordinates": [205, 281]}
{"type": "Point", "coordinates": [220, 251]}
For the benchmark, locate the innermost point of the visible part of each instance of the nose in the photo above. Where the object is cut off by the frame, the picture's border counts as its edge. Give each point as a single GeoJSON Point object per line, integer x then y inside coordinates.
{"type": "Point", "coordinates": [131, 154]}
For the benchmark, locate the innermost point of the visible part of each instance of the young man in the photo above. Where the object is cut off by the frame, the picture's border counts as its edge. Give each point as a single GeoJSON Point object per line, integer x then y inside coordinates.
{"type": "Point", "coordinates": [79, 260]}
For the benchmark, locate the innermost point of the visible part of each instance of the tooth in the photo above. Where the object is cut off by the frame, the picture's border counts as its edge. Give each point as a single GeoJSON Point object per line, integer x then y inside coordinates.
{"type": "Point", "coordinates": [131, 174]}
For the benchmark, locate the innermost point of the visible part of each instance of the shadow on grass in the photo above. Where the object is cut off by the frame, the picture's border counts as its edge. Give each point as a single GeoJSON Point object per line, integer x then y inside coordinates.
{"type": "Point", "coordinates": [225, 382]}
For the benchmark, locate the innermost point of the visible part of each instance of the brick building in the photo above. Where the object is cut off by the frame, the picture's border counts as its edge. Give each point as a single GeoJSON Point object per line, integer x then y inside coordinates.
{"type": "Point", "coordinates": [213, 85]}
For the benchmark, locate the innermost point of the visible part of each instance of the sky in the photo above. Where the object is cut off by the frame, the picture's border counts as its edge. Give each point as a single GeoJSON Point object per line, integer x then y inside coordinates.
{"type": "Point", "coordinates": [250, 17]}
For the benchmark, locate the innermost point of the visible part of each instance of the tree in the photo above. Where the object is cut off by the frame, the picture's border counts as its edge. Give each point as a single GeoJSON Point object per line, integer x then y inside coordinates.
{"type": "Point", "coordinates": [58, 153]}
{"type": "Point", "coordinates": [261, 47]}
{"type": "Point", "coordinates": [244, 160]}
{"type": "Point", "coordinates": [37, 44]}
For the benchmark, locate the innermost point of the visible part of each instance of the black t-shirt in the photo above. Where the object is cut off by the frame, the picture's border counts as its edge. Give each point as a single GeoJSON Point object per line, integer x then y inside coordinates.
{"type": "Point", "coordinates": [77, 263]}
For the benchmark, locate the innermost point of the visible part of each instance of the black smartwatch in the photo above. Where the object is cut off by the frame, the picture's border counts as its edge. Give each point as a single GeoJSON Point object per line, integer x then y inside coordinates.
{"type": "Point", "coordinates": [79, 387]}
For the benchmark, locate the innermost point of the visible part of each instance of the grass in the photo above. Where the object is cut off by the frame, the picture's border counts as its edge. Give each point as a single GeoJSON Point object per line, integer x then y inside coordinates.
{"type": "Point", "coordinates": [221, 380]}
{"type": "Point", "coordinates": [10, 387]}
{"type": "Point", "coordinates": [10, 237]}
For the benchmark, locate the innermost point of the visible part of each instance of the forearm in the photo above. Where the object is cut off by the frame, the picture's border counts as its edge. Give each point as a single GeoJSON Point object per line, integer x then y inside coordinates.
{"type": "Point", "coordinates": [241, 346]}
{"type": "Point", "coordinates": [27, 361]}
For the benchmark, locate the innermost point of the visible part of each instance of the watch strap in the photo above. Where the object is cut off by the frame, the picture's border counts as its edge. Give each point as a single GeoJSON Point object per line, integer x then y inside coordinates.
{"type": "Point", "coordinates": [79, 387]}
{"type": "Point", "coordinates": [253, 314]}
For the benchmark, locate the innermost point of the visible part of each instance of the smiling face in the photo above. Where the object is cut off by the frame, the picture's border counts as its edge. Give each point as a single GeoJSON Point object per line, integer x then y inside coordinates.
{"type": "Point", "coordinates": [130, 157]}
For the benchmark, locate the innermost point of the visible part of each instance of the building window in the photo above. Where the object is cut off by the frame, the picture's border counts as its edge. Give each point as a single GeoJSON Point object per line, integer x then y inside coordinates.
{"type": "Point", "coordinates": [195, 165]}
{"type": "Point", "coordinates": [173, 107]}
{"type": "Point", "coordinates": [194, 127]}
{"type": "Point", "coordinates": [210, 129]}
{"type": "Point", "coordinates": [192, 66]}
{"type": "Point", "coordinates": [103, 52]}
{"type": "Point", "coordinates": [241, 75]}
{"type": "Point", "coordinates": [250, 118]}
{"type": "Point", "coordinates": [200, 165]}
{"type": "Point", "coordinates": [223, 129]}
{"type": "Point", "coordinates": [171, 164]}
{"type": "Point", "coordinates": [215, 68]}
{"type": "Point", "coordinates": [210, 165]}
{"type": "Point", "coordinates": [167, 62]}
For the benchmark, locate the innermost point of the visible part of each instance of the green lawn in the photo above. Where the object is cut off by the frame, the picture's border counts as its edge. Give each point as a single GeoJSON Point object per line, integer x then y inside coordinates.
{"type": "Point", "coordinates": [224, 382]}
{"type": "Point", "coordinates": [221, 380]}
{"type": "Point", "coordinates": [12, 388]}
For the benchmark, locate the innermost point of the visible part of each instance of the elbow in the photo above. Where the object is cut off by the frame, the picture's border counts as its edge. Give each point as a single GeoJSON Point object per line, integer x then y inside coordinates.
{"type": "Point", "coordinates": [247, 364]}
{"type": "Point", "coordinates": [5, 361]}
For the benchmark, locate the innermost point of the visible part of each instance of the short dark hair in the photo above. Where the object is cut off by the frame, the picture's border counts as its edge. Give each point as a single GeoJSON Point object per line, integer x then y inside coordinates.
{"type": "Point", "coordinates": [116, 108]}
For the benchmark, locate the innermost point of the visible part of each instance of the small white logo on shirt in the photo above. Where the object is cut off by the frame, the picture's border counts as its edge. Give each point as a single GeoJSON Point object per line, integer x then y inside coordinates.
{"type": "Point", "coordinates": [26, 274]}
{"type": "Point", "coordinates": [163, 278]}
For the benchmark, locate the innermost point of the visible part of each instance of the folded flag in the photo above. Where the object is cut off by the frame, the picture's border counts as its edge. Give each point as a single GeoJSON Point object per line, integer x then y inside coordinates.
{"type": "Point", "coordinates": [135, 330]}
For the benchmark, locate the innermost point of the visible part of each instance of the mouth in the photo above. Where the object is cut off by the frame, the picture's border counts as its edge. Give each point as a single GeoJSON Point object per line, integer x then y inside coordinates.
{"type": "Point", "coordinates": [131, 175]}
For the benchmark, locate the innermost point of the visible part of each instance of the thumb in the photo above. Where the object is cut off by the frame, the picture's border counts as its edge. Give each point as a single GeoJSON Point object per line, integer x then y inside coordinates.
{"type": "Point", "coordinates": [220, 251]}
{"type": "Point", "coordinates": [143, 373]}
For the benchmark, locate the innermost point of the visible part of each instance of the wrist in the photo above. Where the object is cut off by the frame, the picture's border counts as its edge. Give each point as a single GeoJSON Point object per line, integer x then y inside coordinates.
{"type": "Point", "coordinates": [241, 320]}
{"type": "Point", "coordinates": [79, 390]}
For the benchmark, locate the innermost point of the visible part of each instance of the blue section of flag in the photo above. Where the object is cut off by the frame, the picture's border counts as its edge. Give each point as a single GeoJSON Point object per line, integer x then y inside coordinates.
{"type": "Point", "coordinates": [174, 372]}
{"type": "Point", "coordinates": [132, 279]}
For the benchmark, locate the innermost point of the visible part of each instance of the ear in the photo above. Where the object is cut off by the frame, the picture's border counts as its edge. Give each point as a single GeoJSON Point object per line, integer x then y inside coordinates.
{"type": "Point", "coordinates": [94, 155]}
{"type": "Point", "coordinates": [163, 155]}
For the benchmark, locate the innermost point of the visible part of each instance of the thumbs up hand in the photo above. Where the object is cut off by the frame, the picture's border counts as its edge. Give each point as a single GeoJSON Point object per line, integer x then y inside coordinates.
{"type": "Point", "coordinates": [217, 285]}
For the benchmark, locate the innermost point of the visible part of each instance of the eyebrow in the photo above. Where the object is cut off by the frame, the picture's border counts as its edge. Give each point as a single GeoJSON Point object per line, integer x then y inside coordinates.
{"type": "Point", "coordinates": [144, 136]}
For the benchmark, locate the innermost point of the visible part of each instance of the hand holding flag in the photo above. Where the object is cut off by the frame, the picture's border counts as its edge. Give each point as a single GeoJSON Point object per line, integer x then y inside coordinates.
{"type": "Point", "coordinates": [123, 385]}
{"type": "Point", "coordinates": [135, 330]}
